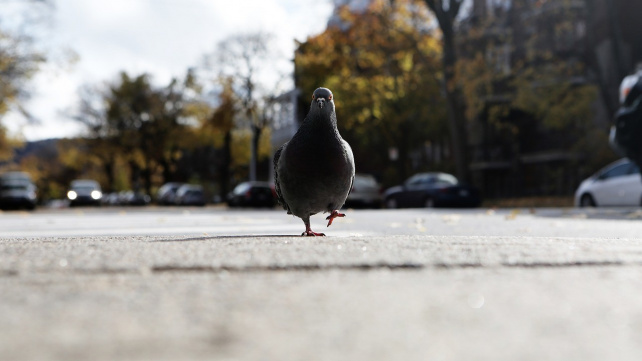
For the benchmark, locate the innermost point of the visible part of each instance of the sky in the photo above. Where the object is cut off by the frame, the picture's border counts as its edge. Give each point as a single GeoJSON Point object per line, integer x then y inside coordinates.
{"type": "Point", "coordinates": [91, 41]}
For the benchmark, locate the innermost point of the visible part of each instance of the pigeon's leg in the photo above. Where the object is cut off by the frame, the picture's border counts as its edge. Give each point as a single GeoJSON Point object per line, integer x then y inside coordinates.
{"type": "Point", "coordinates": [308, 231]}
{"type": "Point", "coordinates": [334, 214]}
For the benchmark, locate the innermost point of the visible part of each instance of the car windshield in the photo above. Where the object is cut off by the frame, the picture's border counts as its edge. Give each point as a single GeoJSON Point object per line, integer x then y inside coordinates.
{"type": "Point", "coordinates": [241, 188]}
{"type": "Point", "coordinates": [433, 179]}
{"type": "Point", "coordinates": [364, 182]}
{"type": "Point", "coordinates": [417, 179]}
{"type": "Point", "coordinates": [166, 188]}
{"type": "Point", "coordinates": [15, 177]}
{"type": "Point", "coordinates": [13, 186]}
{"type": "Point", "coordinates": [617, 171]}
{"type": "Point", "coordinates": [84, 188]}
{"type": "Point", "coordinates": [446, 179]}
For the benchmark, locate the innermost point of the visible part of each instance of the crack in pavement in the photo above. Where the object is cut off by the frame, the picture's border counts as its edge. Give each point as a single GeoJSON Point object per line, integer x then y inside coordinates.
{"type": "Point", "coordinates": [568, 264]}
{"type": "Point", "coordinates": [296, 267]}
{"type": "Point", "coordinates": [164, 269]}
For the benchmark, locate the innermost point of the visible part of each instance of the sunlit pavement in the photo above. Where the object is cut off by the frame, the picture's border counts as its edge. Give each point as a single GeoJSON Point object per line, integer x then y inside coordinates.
{"type": "Point", "coordinates": [215, 284]}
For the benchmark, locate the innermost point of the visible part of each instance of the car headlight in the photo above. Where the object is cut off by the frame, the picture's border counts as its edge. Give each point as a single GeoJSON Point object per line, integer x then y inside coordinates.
{"type": "Point", "coordinates": [96, 195]}
{"type": "Point", "coordinates": [72, 195]}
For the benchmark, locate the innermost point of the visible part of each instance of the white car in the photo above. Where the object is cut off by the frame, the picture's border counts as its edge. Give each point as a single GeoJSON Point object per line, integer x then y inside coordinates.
{"type": "Point", "coordinates": [366, 192]}
{"type": "Point", "coordinates": [619, 184]}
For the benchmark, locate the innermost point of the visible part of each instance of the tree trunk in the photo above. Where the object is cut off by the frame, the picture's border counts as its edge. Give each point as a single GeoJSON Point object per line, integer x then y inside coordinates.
{"type": "Point", "coordinates": [147, 179]}
{"type": "Point", "coordinates": [108, 168]}
{"type": "Point", "coordinates": [135, 175]}
{"type": "Point", "coordinates": [167, 174]}
{"type": "Point", "coordinates": [226, 163]}
{"type": "Point", "coordinates": [256, 136]}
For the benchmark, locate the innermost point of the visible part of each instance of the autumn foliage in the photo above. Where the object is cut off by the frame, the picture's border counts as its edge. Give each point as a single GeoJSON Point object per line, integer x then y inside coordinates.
{"type": "Point", "coordinates": [383, 65]}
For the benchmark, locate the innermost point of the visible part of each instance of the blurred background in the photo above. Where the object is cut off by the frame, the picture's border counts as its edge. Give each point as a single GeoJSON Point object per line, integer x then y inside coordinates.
{"type": "Point", "coordinates": [513, 97]}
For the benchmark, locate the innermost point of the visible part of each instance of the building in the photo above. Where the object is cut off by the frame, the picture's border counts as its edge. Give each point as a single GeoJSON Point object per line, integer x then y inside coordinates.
{"type": "Point", "coordinates": [286, 120]}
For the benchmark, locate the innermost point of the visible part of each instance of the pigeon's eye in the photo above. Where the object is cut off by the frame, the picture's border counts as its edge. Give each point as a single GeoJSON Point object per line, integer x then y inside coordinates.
{"type": "Point", "coordinates": [330, 97]}
{"type": "Point", "coordinates": [313, 97]}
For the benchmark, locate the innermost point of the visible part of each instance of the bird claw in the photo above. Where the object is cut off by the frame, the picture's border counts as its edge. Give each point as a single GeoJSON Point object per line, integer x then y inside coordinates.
{"type": "Point", "coordinates": [332, 216]}
{"type": "Point", "coordinates": [309, 233]}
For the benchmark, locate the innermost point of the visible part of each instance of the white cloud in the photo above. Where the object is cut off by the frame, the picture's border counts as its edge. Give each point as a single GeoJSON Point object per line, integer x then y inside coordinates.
{"type": "Point", "coordinates": [160, 37]}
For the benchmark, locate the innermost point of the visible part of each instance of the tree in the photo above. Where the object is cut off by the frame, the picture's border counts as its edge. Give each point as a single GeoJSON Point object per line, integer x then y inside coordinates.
{"type": "Point", "coordinates": [222, 121]}
{"type": "Point", "coordinates": [446, 12]}
{"type": "Point", "coordinates": [245, 59]}
{"type": "Point", "coordinates": [19, 61]}
{"type": "Point", "coordinates": [528, 94]}
{"type": "Point", "coordinates": [131, 121]}
{"type": "Point", "coordinates": [99, 142]}
{"type": "Point", "coordinates": [382, 65]}
{"type": "Point", "coordinates": [19, 57]}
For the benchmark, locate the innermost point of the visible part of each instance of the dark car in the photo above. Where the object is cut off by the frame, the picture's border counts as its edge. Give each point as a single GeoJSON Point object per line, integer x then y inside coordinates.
{"type": "Point", "coordinates": [432, 190]}
{"type": "Point", "coordinates": [166, 194]}
{"type": "Point", "coordinates": [84, 192]}
{"type": "Point", "coordinates": [190, 195]}
{"type": "Point", "coordinates": [134, 198]}
{"type": "Point", "coordinates": [110, 199]}
{"type": "Point", "coordinates": [252, 194]}
{"type": "Point", "coordinates": [17, 191]}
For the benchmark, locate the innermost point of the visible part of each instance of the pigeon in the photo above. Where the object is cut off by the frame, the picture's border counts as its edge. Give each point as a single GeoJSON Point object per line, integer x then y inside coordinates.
{"type": "Point", "coordinates": [314, 171]}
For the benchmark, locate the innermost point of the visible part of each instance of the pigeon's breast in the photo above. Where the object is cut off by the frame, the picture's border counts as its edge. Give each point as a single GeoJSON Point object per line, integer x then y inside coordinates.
{"type": "Point", "coordinates": [317, 161]}
{"type": "Point", "coordinates": [315, 179]}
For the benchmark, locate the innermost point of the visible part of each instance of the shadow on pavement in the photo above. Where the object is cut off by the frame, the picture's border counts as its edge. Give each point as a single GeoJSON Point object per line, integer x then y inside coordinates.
{"type": "Point", "coordinates": [210, 238]}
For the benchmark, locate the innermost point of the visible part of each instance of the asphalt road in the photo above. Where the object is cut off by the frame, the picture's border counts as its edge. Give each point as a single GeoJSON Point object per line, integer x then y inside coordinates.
{"type": "Point", "coordinates": [215, 284]}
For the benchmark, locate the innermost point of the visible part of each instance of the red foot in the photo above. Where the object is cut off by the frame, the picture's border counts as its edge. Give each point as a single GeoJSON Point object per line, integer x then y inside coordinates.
{"type": "Point", "coordinates": [334, 215]}
{"type": "Point", "coordinates": [308, 232]}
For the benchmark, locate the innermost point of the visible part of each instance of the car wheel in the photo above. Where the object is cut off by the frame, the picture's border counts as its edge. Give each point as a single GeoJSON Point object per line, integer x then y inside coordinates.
{"type": "Point", "coordinates": [587, 201]}
{"type": "Point", "coordinates": [391, 203]}
{"type": "Point", "coordinates": [429, 203]}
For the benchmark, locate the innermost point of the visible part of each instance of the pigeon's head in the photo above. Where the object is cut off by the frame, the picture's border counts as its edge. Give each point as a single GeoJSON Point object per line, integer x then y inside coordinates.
{"type": "Point", "coordinates": [322, 99]}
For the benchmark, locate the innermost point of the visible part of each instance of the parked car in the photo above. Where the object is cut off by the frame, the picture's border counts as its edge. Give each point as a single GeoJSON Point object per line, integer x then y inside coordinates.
{"type": "Point", "coordinates": [618, 184]}
{"type": "Point", "coordinates": [252, 194]}
{"type": "Point", "coordinates": [84, 192]}
{"type": "Point", "coordinates": [366, 192]}
{"type": "Point", "coordinates": [110, 199]}
{"type": "Point", "coordinates": [432, 190]}
{"type": "Point", "coordinates": [166, 194]}
{"type": "Point", "coordinates": [133, 198]}
{"type": "Point", "coordinates": [190, 195]}
{"type": "Point", "coordinates": [17, 191]}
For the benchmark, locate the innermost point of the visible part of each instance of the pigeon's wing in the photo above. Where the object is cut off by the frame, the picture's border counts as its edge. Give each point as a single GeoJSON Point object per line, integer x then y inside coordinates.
{"type": "Point", "coordinates": [277, 184]}
{"type": "Point", "coordinates": [348, 150]}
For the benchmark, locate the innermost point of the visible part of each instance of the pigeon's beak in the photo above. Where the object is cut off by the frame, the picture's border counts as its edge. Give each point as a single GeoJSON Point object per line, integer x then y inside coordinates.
{"type": "Point", "coordinates": [320, 102]}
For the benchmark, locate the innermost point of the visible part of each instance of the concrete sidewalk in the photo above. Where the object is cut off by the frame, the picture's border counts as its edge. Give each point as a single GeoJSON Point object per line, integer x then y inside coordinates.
{"type": "Point", "coordinates": [413, 297]}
